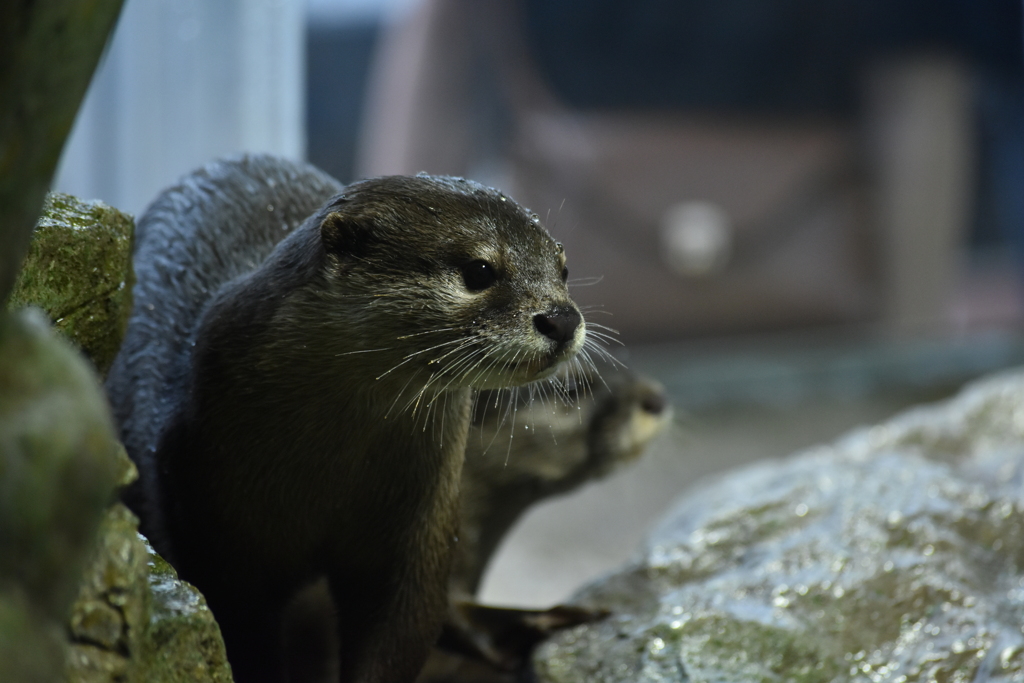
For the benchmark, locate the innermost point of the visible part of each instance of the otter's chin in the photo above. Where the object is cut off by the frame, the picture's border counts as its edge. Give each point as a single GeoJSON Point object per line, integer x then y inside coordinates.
{"type": "Point", "coordinates": [521, 373]}
{"type": "Point", "coordinates": [550, 367]}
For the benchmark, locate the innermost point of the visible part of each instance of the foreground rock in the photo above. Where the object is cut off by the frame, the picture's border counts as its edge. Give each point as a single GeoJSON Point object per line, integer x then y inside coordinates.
{"type": "Point", "coordinates": [60, 464]}
{"type": "Point", "coordinates": [57, 475]}
{"type": "Point", "coordinates": [893, 555]}
{"type": "Point", "coordinates": [134, 620]}
{"type": "Point", "coordinates": [78, 270]}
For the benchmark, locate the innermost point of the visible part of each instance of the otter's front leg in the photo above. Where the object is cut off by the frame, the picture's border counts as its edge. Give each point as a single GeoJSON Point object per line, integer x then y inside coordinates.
{"type": "Point", "coordinates": [386, 623]}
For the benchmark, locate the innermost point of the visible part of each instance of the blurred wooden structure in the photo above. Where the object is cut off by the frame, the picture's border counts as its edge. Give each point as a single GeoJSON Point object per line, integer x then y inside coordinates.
{"type": "Point", "coordinates": [694, 223]}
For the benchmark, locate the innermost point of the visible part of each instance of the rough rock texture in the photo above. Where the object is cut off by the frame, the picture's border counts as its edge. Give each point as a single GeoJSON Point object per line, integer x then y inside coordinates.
{"type": "Point", "coordinates": [57, 475]}
{"type": "Point", "coordinates": [133, 619]}
{"type": "Point", "coordinates": [108, 620]}
{"type": "Point", "coordinates": [894, 554]}
{"type": "Point", "coordinates": [60, 464]}
{"type": "Point", "coordinates": [183, 642]}
{"type": "Point", "coordinates": [78, 269]}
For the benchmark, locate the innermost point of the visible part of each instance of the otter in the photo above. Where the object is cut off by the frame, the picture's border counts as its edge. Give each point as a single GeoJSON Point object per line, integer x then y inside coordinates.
{"type": "Point", "coordinates": [295, 387]}
{"type": "Point", "coordinates": [519, 451]}
{"type": "Point", "coordinates": [517, 455]}
{"type": "Point", "coordinates": [543, 449]}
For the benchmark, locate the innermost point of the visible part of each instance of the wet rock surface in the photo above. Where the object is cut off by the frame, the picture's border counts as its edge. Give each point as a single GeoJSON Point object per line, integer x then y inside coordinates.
{"type": "Point", "coordinates": [78, 269]}
{"type": "Point", "coordinates": [893, 554]}
{"type": "Point", "coordinates": [108, 619]}
{"type": "Point", "coordinates": [183, 640]}
{"type": "Point", "coordinates": [133, 619]}
{"type": "Point", "coordinates": [60, 537]}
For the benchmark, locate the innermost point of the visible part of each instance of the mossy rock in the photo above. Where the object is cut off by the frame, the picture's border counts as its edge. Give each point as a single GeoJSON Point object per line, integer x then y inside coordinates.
{"type": "Point", "coordinates": [135, 621]}
{"type": "Point", "coordinates": [184, 643]}
{"type": "Point", "coordinates": [895, 553]}
{"type": "Point", "coordinates": [58, 472]}
{"type": "Point", "coordinates": [108, 619]}
{"type": "Point", "coordinates": [78, 270]}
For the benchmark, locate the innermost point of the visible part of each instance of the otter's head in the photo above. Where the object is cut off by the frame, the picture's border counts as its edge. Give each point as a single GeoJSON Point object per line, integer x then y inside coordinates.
{"type": "Point", "coordinates": [461, 283]}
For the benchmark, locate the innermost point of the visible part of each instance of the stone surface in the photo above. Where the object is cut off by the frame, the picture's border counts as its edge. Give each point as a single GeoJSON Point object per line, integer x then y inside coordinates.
{"type": "Point", "coordinates": [893, 554]}
{"type": "Point", "coordinates": [60, 464]}
{"type": "Point", "coordinates": [78, 269]}
{"type": "Point", "coordinates": [108, 622]}
{"type": "Point", "coordinates": [134, 620]}
{"type": "Point", "coordinates": [57, 474]}
{"type": "Point", "coordinates": [184, 641]}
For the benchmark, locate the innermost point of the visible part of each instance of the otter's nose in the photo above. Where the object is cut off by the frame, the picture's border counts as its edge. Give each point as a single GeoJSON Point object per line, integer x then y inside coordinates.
{"type": "Point", "coordinates": [653, 401]}
{"type": "Point", "coordinates": [558, 324]}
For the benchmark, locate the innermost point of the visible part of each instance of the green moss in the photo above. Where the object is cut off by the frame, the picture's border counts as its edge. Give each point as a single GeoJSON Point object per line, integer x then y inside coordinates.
{"type": "Point", "coordinates": [57, 474]}
{"type": "Point", "coordinates": [135, 621]}
{"type": "Point", "coordinates": [78, 270]}
{"type": "Point", "coordinates": [184, 642]}
{"type": "Point", "coordinates": [752, 651]}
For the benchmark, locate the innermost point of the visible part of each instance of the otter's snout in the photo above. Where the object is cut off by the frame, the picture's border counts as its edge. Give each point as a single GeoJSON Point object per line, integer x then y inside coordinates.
{"type": "Point", "coordinates": [559, 324]}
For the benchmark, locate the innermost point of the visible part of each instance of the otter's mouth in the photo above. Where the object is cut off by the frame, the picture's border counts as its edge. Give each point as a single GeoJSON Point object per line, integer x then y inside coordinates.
{"type": "Point", "coordinates": [519, 370]}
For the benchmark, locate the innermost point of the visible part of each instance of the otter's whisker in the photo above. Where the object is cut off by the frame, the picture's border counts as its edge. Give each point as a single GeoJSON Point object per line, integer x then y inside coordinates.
{"type": "Point", "coordinates": [512, 432]}
{"type": "Point", "coordinates": [585, 281]}
{"type": "Point", "coordinates": [517, 362]}
{"type": "Point", "coordinates": [416, 353]}
{"type": "Point", "coordinates": [469, 337]}
{"type": "Point", "coordinates": [602, 327]}
{"type": "Point", "coordinates": [602, 353]}
{"type": "Point", "coordinates": [590, 361]}
{"type": "Point", "coordinates": [420, 334]}
{"type": "Point", "coordinates": [453, 370]}
{"type": "Point", "coordinates": [585, 377]}
{"type": "Point", "coordinates": [349, 353]}
{"type": "Point", "coordinates": [562, 391]}
{"type": "Point", "coordinates": [470, 341]}
{"type": "Point", "coordinates": [481, 368]}
{"type": "Point", "coordinates": [495, 361]}
{"type": "Point", "coordinates": [401, 393]}
{"type": "Point", "coordinates": [602, 338]}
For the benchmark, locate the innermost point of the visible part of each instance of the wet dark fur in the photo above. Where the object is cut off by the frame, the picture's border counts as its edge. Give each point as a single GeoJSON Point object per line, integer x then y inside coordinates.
{"type": "Point", "coordinates": [266, 390]}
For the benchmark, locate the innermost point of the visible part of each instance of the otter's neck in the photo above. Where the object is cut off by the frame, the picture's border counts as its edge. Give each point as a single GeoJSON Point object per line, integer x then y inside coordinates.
{"type": "Point", "coordinates": [283, 395]}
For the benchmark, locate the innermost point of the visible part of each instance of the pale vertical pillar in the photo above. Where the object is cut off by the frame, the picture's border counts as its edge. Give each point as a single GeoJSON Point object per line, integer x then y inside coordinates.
{"type": "Point", "coordinates": [923, 153]}
{"type": "Point", "coordinates": [415, 117]}
{"type": "Point", "coordinates": [186, 81]}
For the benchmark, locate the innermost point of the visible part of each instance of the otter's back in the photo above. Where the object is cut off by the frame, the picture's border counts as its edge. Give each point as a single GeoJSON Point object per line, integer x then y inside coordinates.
{"type": "Point", "coordinates": [216, 224]}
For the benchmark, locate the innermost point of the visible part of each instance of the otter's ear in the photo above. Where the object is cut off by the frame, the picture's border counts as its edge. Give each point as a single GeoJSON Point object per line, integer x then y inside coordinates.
{"type": "Point", "coordinates": [343, 235]}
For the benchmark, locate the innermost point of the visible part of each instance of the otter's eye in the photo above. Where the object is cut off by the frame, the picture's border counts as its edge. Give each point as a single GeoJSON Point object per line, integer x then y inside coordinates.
{"type": "Point", "coordinates": [478, 275]}
{"type": "Point", "coordinates": [565, 273]}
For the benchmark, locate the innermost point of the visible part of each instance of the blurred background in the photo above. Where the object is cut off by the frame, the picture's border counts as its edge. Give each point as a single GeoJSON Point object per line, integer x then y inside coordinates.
{"type": "Point", "coordinates": [800, 215]}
